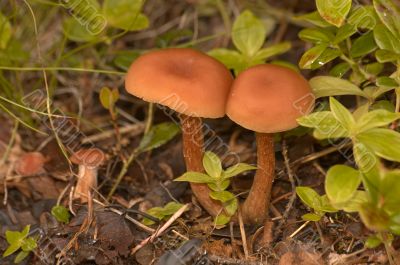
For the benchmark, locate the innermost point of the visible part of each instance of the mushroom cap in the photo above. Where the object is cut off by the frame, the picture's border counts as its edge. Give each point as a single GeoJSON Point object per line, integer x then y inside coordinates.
{"type": "Point", "coordinates": [269, 98]}
{"type": "Point", "coordinates": [92, 157]}
{"type": "Point", "coordinates": [30, 164]}
{"type": "Point", "coordinates": [185, 80]}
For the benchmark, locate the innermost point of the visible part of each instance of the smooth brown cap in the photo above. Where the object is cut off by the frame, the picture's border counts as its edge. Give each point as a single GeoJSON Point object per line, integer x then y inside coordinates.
{"type": "Point", "coordinates": [91, 157]}
{"type": "Point", "coordinates": [269, 98]}
{"type": "Point", "coordinates": [185, 80]}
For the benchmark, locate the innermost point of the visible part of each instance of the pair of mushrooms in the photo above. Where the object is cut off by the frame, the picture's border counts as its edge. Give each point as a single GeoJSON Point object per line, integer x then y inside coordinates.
{"type": "Point", "coordinates": [265, 98]}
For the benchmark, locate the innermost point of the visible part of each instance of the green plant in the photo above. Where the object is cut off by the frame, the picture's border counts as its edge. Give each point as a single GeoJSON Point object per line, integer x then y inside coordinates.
{"type": "Point", "coordinates": [61, 214]}
{"type": "Point", "coordinates": [218, 180]}
{"type": "Point", "coordinates": [248, 35]}
{"type": "Point", "coordinates": [20, 240]}
{"type": "Point", "coordinates": [362, 43]}
{"type": "Point", "coordinates": [162, 213]}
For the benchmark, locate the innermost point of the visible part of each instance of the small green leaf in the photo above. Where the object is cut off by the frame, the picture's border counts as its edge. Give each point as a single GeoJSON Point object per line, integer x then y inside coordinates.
{"type": "Point", "coordinates": [385, 56]}
{"type": "Point", "coordinates": [334, 11]}
{"type": "Point", "coordinates": [387, 81]}
{"type": "Point", "coordinates": [313, 217]}
{"type": "Point", "coordinates": [376, 118]}
{"type": "Point", "coordinates": [323, 86]}
{"type": "Point", "coordinates": [385, 39]}
{"type": "Point", "coordinates": [356, 202]}
{"type": "Point", "coordinates": [342, 114]}
{"type": "Point", "coordinates": [248, 33]}
{"type": "Point", "coordinates": [328, 55]}
{"type": "Point", "coordinates": [12, 248]}
{"type": "Point", "coordinates": [273, 50]}
{"type": "Point", "coordinates": [21, 256]}
{"type": "Point", "coordinates": [61, 214]}
{"type": "Point", "coordinates": [108, 97]}
{"type": "Point", "coordinates": [340, 70]}
{"type": "Point", "coordinates": [237, 169]}
{"type": "Point", "coordinates": [341, 184]}
{"type": "Point", "coordinates": [316, 35]}
{"type": "Point", "coordinates": [5, 31]}
{"type": "Point", "coordinates": [25, 231]}
{"type": "Point", "coordinates": [314, 18]}
{"type": "Point", "coordinates": [125, 14]}
{"type": "Point", "coordinates": [231, 59]}
{"type": "Point", "coordinates": [162, 212]}
{"type": "Point", "coordinates": [221, 220]}
{"type": "Point", "coordinates": [124, 59]}
{"type": "Point", "coordinates": [325, 124]}
{"type": "Point", "coordinates": [158, 135]}
{"type": "Point", "coordinates": [219, 185]}
{"type": "Point", "coordinates": [344, 33]}
{"type": "Point", "coordinates": [231, 206]}
{"type": "Point", "coordinates": [29, 244]}
{"type": "Point", "coordinates": [363, 17]}
{"type": "Point", "coordinates": [195, 177]}
{"type": "Point", "coordinates": [13, 236]}
{"type": "Point", "coordinates": [212, 164]}
{"type": "Point", "coordinates": [223, 196]}
{"type": "Point", "coordinates": [390, 190]}
{"type": "Point", "coordinates": [363, 45]}
{"type": "Point", "coordinates": [78, 32]}
{"type": "Point", "coordinates": [326, 205]}
{"type": "Point", "coordinates": [384, 142]}
{"type": "Point", "coordinates": [373, 242]}
{"type": "Point", "coordinates": [310, 56]}
{"type": "Point", "coordinates": [389, 13]}
{"type": "Point", "coordinates": [309, 197]}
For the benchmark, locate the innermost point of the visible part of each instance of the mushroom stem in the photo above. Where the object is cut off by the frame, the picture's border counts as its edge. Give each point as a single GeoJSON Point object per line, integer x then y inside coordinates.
{"type": "Point", "coordinates": [255, 207]}
{"type": "Point", "coordinates": [87, 180]}
{"type": "Point", "coordinates": [193, 142]}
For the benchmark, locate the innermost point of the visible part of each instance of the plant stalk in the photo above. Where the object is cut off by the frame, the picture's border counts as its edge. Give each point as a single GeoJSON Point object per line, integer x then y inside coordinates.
{"type": "Point", "coordinates": [255, 207]}
{"type": "Point", "coordinates": [193, 141]}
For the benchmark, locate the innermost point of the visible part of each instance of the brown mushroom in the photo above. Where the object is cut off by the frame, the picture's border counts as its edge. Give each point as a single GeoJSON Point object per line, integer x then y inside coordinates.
{"type": "Point", "coordinates": [192, 84]}
{"type": "Point", "coordinates": [30, 164]}
{"type": "Point", "coordinates": [267, 99]}
{"type": "Point", "coordinates": [88, 160]}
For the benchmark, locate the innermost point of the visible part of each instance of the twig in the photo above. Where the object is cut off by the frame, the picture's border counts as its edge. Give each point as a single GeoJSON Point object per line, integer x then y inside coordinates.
{"type": "Point", "coordinates": [162, 229]}
{"type": "Point", "coordinates": [299, 229]}
{"type": "Point", "coordinates": [134, 129]}
{"type": "Point", "coordinates": [243, 235]}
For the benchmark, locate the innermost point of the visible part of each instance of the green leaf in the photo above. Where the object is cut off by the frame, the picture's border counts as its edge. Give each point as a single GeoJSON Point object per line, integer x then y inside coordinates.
{"type": "Point", "coordinates": [125, 14]}
{"type": "Point", "coordinates": [273, 50]}
{"type": "Point", "coordinates": [340, 70]}
{"type": "Point", "coordinates": [328, 55]}
{"type": "Point", "coordinates": [389, 13]}
{"type": "Point", "coordinates": [385, 39]}
{"type": "Point", "coordinates": [386, 81]}
{"type": "Point", "coordinates": [326, 205]}
{"type": "Point", "coordinates": [384, 142]}
{"type": "Point", "coordinates": [29, 244]}
{"type": "Point", "coordinates": [231, 59]}
{"type": "Point", "coordinates": [25, 231]}
{"type": "Point", "coordinates": [223, 196]}
{"type": "Point", "coordinates": [221, 220]}
{"type": "Point", "coordinates": [237, 169]}
{"type": "Point", "coordinates": [158, 135]}
{"type": "Point", "coordinates": [313, 217]}
{"type": "Point", "coordinates": [374, 68]}
{"type": "Point", "coordinates": [342, 114]}
{"type": "Point", "coordinates": [171, 208]}
{"type": "Point", "coordinates": [325, 124]}
{"type": "Point", "coordinates": [341, 184]}
{"type": "Point", "coordinates": [13, 236]}
{"type": "Point", "coordinates": [108, 97]}
{"type": "Point", "coordinates": [363, 45]}
{"type": "Point", "coordinates": [310, 56]}
{"type": "Point", "coordinates": [78, 32]}
{"type": "Point", "coordinates": [21, 256]}
{"type": "Point", "coordinates": [316, 35]}
{"type": "Point", "coordinates": [124, 59]}
{"type": "Point", "coordinates": [344, 33]}
{"type": "Point", "coordinates": [373, 242]}
{"type": "Point", "coordinates": [376, 118]}
{"type": "Point", "coordinates": [363, 17]}
{"type": "Point", "coordinates": [324, 86]}
{"type": "Point", "coordinates": [231, 206]}
{"type": "Point", "coordinates": [390, 191]}
{"type": "Point", "coordinates": [12, 248]}
{"type": "Point", "coordinates": [334, 11]}
{"type": "Point", "coordinates": [314, 18]}
{"type": "Point", "coordinates": [162, 212]}
{"type": "Point", "coordinates": [385, 56]}
{"type": "Point", "coordinates": [5, 31]}
{"type": "Point", "coordinates": [248, 33]}
{"type": "Point", "coordinates": [219, 185]}
{"type": "Point", "coordinates": [61, 214]}
{"type": "Point", "coordinates": [195, 177]}
{"type": "Point", "coordinates": [212, 164]}
{"type": "Point", "coordinates": [309, 197]}
{"type": "Point", "coordinates": [356, 202]}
